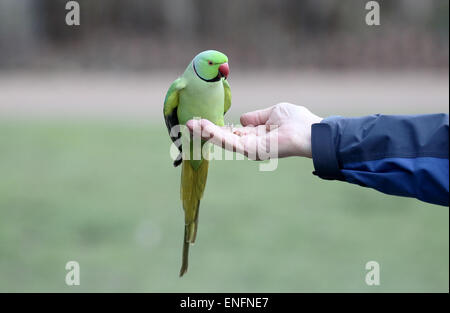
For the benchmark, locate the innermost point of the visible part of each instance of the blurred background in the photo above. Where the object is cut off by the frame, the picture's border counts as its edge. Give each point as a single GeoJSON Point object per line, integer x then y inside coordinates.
{"type": "Point", "coordinates": [84, 152]}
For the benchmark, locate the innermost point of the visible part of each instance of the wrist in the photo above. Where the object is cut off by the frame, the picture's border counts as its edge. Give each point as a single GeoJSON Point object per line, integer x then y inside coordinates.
{"type": "Point", "coordinates": [307, 151]}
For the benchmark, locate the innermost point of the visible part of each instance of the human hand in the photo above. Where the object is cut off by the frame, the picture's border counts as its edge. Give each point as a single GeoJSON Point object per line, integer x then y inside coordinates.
{"type": "Point", "coordinates": [288, 124]}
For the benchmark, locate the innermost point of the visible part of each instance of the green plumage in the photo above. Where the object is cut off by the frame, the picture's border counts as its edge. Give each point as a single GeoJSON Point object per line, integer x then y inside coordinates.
{"type": "Point", "coordinates": [201, 92]}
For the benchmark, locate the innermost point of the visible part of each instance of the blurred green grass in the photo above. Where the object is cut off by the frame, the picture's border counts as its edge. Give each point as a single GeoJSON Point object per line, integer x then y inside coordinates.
{"type": "Point", "coordinates": [106, 195]}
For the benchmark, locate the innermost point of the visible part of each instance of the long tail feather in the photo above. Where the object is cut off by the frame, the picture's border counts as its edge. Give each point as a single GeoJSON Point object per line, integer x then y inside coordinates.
{"type": "Point", "coordinates": [184, 262]}
{"type": "Point", "coordinates": [193, 183]}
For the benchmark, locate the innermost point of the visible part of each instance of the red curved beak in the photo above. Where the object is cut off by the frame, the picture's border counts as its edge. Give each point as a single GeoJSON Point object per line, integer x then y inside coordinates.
{"type": "Point", "coordinates": [224, 70]}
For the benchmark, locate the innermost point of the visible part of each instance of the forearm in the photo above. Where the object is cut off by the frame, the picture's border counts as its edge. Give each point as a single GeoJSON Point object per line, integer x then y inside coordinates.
{"type": "Point", "coordinates": [398, 155]}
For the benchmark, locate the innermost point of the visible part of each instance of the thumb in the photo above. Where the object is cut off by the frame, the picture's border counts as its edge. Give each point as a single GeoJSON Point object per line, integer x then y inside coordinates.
{"type": "Point", "coordinates": [203, 128]}
{"type": "Point", "coordinates": [255, 118]}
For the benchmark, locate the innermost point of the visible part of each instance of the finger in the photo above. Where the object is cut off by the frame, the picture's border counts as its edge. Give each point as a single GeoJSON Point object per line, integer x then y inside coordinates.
{"type": "Point", "coordinates": [248, 145]}
{"type": "Point", "coordinates": [220, 136]}
{"type": "Point", "coordinates": [224, 137]}
{"type": "Point", "coordinates": [249, 130]}
{"type": "Point", "coordinates": [256, 118]}
{"type": "Point", "coordinates": [258, 148]}
{"type": "Point", "coordinates": [203, 128]}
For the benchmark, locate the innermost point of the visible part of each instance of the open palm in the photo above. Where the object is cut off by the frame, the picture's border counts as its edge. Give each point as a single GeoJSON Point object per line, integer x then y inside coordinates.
{"type": "Point", "coordinates": [281, 130]}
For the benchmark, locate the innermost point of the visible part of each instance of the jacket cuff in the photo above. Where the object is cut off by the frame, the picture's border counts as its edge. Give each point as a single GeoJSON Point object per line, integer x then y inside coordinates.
{"type": "Point", "coordinates": [324, 154]}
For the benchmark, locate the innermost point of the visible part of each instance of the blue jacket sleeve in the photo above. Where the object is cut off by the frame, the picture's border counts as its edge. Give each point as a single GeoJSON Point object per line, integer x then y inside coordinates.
{"type": "Point", "coordinates": [395, 154]}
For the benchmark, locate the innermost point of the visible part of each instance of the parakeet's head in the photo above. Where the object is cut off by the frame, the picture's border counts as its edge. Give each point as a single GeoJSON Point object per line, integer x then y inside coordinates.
{"type": "Point", "coordinates": [211, 65]}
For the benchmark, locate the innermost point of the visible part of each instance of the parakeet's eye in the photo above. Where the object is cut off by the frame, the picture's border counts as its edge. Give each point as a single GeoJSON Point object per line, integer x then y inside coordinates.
{"type": "Point", "coordinates": [210, 62]}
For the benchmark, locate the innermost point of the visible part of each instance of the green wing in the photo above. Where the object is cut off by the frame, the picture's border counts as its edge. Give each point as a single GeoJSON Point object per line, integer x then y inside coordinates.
{"type": "Point", "coordinates": [170, 111]}
{"type": "Point", "coordinates": [172, 96]}
{"type": "Point", "coordinates": [227, 103]}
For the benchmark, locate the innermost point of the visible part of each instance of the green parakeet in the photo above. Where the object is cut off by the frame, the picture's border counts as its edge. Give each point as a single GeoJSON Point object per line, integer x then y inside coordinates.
{"type": "Point", "coordinates": [202, 91]}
